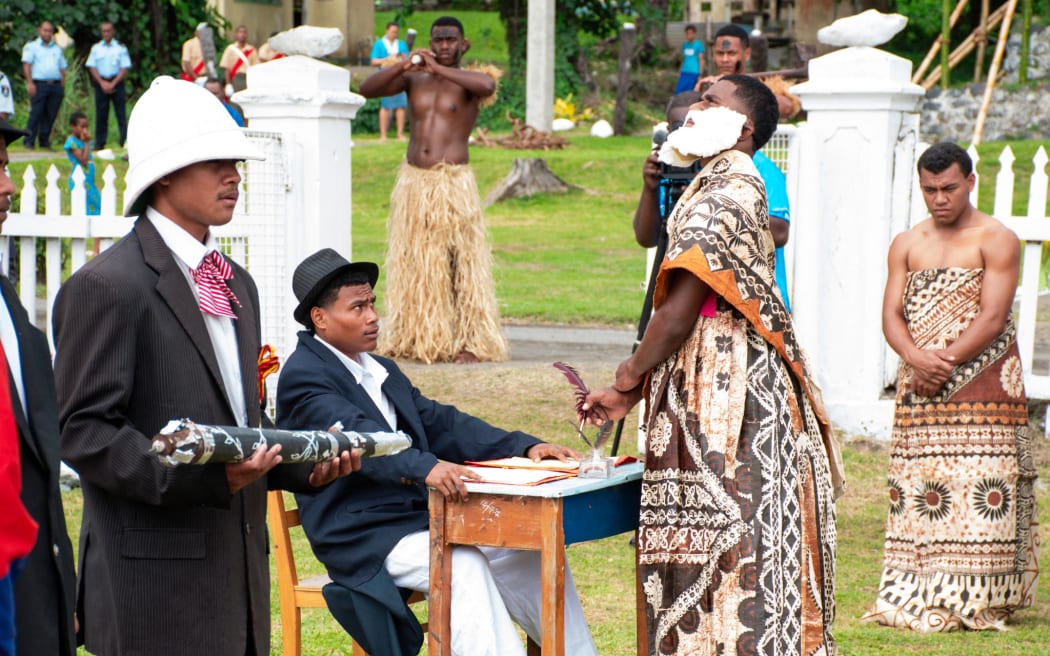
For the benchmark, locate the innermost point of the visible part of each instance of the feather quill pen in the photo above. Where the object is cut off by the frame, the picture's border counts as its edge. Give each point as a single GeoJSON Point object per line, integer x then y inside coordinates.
{"type": "Point", "coordinates": [581, 390]}
{"type": "Point", "coordinates": [579, 431]}
{"type": "Point", "coordinates": [603, 435]}
{"type": "Point", "coordinates": [599, 440]}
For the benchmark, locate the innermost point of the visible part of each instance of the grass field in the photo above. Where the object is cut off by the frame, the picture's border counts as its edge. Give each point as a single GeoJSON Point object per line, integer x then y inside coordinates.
{"type": "Point", "coordinates": [571, 258]}
{"type": "Point", "coordinates": [603, 569]}
{"type": "Point", "coordinates": [567, 258]}
{"type": "Point", "coordinates": [562, 258]}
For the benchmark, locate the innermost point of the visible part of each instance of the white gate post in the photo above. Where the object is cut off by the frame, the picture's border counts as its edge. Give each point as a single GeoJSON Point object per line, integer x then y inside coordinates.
{"type": "Point", "coordinates": [855, 184]}
{"type": "Point", "coordinates": [309, 103]}
{"type": "Point", "coordinates": [539, 73]}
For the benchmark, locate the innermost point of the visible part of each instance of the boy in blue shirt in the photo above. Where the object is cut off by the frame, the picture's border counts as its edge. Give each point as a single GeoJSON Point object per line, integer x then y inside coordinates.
{"type": "Point", "coordinates": [692, 61]}
{"type": "Point", "coordinates": [779, 210]}
{"type": "Point", "coordinates": [78, 150]}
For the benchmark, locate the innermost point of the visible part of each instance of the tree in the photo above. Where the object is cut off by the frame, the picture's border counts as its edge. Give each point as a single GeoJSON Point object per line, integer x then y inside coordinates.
{"type": "Point", "coordinates": [153, 31]}
{"type": "Point", "coordinates": [574, 17]}
{"type": "Point", "coordinates": [924, 24]}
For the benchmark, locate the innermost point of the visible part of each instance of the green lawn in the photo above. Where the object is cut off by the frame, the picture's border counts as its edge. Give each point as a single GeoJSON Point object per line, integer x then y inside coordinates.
{"type": "Point", "coordinates": [603, 569]}
{"type": "Point", "coordinates": [571, 258]}
{"type": "Point", "coordinates": [567, 258]}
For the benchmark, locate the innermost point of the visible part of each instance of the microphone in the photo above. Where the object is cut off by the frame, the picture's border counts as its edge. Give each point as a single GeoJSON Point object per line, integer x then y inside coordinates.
{"type": "Point", "coordinates": [659, 134]}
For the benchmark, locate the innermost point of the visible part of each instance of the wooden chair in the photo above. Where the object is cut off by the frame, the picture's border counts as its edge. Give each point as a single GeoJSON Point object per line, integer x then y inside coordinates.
{"type": "Point", "coordinates": [296, 594]}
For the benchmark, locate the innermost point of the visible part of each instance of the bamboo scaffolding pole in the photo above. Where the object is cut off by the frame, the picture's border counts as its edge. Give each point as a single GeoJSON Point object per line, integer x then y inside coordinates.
{"type": "Point", "coordinates": [921, 70]}
{"type": "Point", "coordinates": [1026, 38]}
{"type": "Point", "coordinates": [981, 43]}
{"type": "Point", "coordinates": [946, 37]}
{"type": "Point", "coordinates": [993, 72]}
{"type": "Point", "coordinates": [964, 49]}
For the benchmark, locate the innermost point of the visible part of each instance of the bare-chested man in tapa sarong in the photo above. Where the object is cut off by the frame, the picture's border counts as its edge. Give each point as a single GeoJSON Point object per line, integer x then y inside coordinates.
{"type": "Point", "coordinates": [961, 545]}
{"type": "Point", "coordinates": [441, 297]}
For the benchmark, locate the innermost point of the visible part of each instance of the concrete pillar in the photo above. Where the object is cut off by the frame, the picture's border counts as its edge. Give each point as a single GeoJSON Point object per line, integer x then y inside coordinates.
{"type": "Point", "coordinates": [857, 158]}
{"type": "Point", "coordinates": [309, 104]}
{"type": "Point", "coordinates": [539, 76]}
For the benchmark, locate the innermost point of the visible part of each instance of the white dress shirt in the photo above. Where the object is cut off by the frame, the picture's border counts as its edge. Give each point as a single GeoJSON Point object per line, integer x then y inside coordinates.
{"type": "Point", "coordinates": [189, 253]}
{"type": "Point", "coordinates": [370, 375]}
{"type": "Point", "coordinates": [9, 339]}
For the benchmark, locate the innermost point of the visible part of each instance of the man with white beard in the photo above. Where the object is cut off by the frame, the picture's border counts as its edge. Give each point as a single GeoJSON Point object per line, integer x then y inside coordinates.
{"type": "Point", "coordinates": [736, 538]}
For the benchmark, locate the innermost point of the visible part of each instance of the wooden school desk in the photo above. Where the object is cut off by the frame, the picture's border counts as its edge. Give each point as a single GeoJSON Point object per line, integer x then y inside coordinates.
{"type": "Point", "coordinates": [544, 517]}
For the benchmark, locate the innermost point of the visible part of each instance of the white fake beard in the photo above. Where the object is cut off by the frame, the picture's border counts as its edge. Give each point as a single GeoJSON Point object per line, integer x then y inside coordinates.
{"type": "Point", "coordinates": [706, 133]}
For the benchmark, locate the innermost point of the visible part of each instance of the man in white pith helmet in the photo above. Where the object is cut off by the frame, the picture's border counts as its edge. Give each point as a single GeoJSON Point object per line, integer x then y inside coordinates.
{"type": "Point", "coordinates": [158, 327]}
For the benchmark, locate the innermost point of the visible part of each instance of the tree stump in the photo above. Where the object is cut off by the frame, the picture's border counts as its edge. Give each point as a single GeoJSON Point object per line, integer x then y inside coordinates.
{"type": "Point", "coordinates": [527, 177]}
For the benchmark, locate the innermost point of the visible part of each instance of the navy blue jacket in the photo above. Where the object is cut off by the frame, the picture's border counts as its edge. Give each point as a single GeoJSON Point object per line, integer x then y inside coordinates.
{"type": "Point", "coordinates": [355, 522]}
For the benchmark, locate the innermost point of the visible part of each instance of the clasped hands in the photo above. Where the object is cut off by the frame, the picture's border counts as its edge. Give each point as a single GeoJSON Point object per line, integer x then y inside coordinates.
{"type": "Point", "coordinates": [427, 62]}
{"type": "Point", "coordinates": [931, 370]}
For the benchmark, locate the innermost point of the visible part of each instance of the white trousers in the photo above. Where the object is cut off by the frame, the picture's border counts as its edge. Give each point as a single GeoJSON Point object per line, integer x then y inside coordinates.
{"type": "Point", "coordinates": [491, 589]}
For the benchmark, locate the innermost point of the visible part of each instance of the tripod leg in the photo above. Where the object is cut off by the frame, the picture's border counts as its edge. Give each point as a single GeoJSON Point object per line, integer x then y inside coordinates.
{"type": "Point", "coordinates": [643, 321]}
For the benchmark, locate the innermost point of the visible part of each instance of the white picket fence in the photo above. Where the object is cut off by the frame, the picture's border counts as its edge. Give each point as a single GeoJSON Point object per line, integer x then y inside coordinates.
{"type": "Point", "coordinates": [255, 238]}
{"type": "Point", "coordinates": [27, 227]}
{"type": "Point", "coordinates": [1033, 229]}
{"type": "Point", "coordinates": [257, 235]}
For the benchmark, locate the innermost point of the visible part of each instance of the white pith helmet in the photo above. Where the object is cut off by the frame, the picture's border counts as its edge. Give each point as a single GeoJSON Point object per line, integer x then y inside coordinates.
{"type": "Point", "coordinates": [175, 124]}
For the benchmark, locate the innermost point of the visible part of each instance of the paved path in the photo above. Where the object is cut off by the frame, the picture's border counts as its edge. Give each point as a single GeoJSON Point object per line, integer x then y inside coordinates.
{"type": "Point", "coordinates": [569, 343]}
{"type": "Point", "coordinates": [28, 156]}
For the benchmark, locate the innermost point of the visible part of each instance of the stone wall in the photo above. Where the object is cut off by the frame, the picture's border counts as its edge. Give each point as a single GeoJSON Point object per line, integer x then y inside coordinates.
{"type": "Point", "coordinates": [1013, 114]}
{"type": "Point", "coordinates": [1038, 56]}
{"type": "Point", "coordinates": [951, 115]}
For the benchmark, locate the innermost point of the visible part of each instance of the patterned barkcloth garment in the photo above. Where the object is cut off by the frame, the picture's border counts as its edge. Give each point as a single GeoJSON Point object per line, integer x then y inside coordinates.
{"type": "Point", "coordinates": [440, 295]}
{"type": "Point", "coordinates": [737, 527]}
{"type": "Point", "coordinates": [961, 538]}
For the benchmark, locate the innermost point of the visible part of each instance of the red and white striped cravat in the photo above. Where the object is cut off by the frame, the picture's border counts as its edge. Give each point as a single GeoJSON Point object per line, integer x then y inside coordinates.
{"type": "Point", "coordinates": [216, 298]}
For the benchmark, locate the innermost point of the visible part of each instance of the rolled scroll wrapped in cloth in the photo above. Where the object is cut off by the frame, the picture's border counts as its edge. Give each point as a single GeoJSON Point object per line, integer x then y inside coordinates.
{"type": "Point", "coordinates": [183, 442]}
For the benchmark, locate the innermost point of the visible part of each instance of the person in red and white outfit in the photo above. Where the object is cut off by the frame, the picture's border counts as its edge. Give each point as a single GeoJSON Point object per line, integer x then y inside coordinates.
{"type": "Point", "coordinates": [237, 57]}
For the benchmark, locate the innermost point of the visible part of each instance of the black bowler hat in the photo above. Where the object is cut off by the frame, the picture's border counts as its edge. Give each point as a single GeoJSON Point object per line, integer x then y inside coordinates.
{"type": "Point", "coordinates": [315, 272]}
{"type": "Point", "coordinates": [10, 133]}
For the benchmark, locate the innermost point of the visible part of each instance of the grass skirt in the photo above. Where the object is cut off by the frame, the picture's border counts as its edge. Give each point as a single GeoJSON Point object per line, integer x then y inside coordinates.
{"type": "Point", "coordinates": [440, 296]}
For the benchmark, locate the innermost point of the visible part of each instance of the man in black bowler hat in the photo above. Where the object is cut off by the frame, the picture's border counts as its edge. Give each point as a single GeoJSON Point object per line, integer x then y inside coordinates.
{"type": "Point", "coordinates": [372, 532]}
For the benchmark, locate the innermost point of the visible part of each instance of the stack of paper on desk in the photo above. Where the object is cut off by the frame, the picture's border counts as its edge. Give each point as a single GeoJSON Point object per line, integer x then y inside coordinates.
{"type": "Point", "coordinates": [522, 471]}
{"type": "Point", "coordinates": [507, 476]}
{"type": "Point", "coordinates": [518, 462]}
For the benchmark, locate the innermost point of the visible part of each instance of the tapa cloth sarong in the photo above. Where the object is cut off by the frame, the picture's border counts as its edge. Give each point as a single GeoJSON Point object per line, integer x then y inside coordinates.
{"type": "Point", "coordinates": [440, 296]}
{"type": "Point", "coordinates": [961, 538]}
{"type": "Point", "coordinates": [736, 539]}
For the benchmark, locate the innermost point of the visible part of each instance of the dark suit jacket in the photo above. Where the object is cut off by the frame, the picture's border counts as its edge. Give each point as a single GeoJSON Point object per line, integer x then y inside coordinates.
{"type": "Point", "coordinates": [355, 522]}
{"type": "Point", "coordinates": [170, 562]}
{"type": "Point", "coordinates": [44, 591]}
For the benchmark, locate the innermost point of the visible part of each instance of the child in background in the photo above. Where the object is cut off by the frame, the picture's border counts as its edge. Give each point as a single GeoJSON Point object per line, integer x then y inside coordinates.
{"type": "Point", "coordinates": [78, 150]}
{"type": "Point", "coordinates": [692, 61]}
